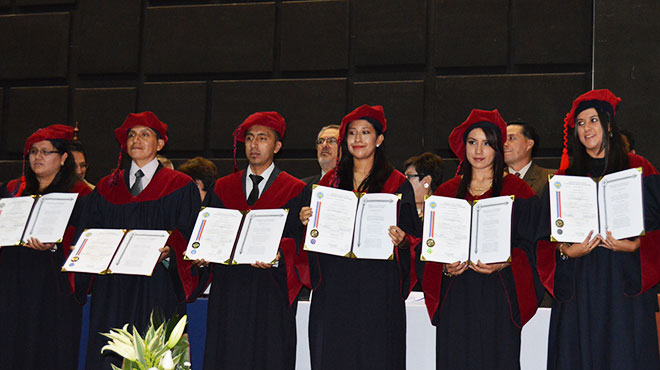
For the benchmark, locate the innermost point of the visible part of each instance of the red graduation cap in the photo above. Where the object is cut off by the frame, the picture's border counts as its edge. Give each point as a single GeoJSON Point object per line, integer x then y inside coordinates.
{"type": "Point", "coordinates": [477, 116]}
{"type": "Point", "coordinates": [273, 120]}
{"type": "Point", "coordinates": [372, 113]}
{"type": "Point", "coordinates": [52, 132]}
{"type": "Point", "coordinates": [602, 99]}
{"type": "Point", "coordinates": [147, 119]}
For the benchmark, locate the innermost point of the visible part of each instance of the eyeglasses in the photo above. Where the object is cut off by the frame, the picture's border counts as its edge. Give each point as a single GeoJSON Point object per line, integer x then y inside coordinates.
{"type": "Point", "coordinates": [330, 141]}
{"type": "Point", "coordinates": [411, 176]}
{"type": "Point", "coordinates": [34, 152]}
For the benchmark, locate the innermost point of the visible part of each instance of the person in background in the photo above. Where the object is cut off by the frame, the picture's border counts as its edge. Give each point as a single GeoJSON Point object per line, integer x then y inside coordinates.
{"type": "Point", "coordinates": [165, 162]}
{"type": "Point", "coordinates": [326, 152]}
{"type": "Point", "coordinates": [521, 143]}
{"type": "Point", "coordinates": [80, 157]}
{"type": "Point", "coordinates": [424, 172]}
{"type": "Point", "coordinates": [628, 141]}
{"type": "Point", "coordinates": [40, 318]}
{"type": "Point", "coordinates": [204, 173]}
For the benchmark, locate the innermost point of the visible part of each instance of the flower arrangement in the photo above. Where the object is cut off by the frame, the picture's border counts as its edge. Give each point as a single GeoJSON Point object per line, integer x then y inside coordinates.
{"type": "Point", "coordinates": [164, 347]}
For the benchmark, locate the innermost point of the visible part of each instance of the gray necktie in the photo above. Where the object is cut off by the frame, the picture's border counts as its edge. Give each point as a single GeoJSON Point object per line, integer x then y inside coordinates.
{"type": "Point", "coordinates": [137, 186]}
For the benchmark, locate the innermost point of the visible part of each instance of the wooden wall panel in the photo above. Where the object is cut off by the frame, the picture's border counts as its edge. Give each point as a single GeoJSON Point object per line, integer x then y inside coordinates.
{"type": "Point", "coordinates": [34, 45]}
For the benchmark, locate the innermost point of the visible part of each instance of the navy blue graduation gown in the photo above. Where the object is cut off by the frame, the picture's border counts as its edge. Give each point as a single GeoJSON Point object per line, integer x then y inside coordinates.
{"type": "Point", "coordinates": [479, 317]}
{"type": "Point", "coordinates": [251, 321]}
{"type": "Point", "coordinates": [169, 202]}
{"type": "Point", "coordinates": [603, 313]}
{"type": "Point", "coordinates": [40, 318]}
{"type": "Point", "coordinates": [358, 317]}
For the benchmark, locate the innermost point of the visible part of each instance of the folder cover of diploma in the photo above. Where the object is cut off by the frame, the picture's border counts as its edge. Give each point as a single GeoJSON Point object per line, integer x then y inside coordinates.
{"type": "Point", "coordinates": [229, 236]}
{"type": "Point", "coordinates": [580, 204]}
{"type": "Point", "coordinates": [117, 251]}
{"type": "Point", "coordinates": [43, 217]}
{"type": "Point", "coordinates": [348, 224]}
{"type": "Point", "coordinates": [457, 230]}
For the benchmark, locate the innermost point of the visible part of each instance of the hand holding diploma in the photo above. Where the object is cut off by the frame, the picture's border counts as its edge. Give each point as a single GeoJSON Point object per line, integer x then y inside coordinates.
{"type": "Point", "coordinates": [264, 265]}
{"type": "Point", "coordinates": [305, 214]}
{"type": "Point", "coordinates": [488, 268]}
{"type": "Point", "coordinates": [398, 237]}
{"type": "Point", "coordinates": [576, 250]}
{"type": "Point", "coordinates": [622, 245]}
{"type": "Point", "coordinates": [164, 253]}
{"type": "Point", "coordinates": [455, 269]}
{"type": "Point", "coordinates": [34, 243]}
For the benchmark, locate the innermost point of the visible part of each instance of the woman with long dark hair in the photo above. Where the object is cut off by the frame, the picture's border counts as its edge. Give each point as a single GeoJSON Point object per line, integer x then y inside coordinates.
{"type": "Point", "coordinates": [479, 309]}
{"type": "Point", "coordinates": [357, 318]}
{"type": "Point", "coordinates": [40, 317]}
{"type": "Point", "coordinates": [603, 313]}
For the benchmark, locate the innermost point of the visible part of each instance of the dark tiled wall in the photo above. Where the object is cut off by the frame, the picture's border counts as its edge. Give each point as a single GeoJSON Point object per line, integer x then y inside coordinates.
{"type": "Point", "coordinates": [203, 66]}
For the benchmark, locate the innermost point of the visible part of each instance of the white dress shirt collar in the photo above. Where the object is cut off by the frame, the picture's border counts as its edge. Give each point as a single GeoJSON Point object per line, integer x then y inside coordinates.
{"type": "Point", "coordinates": [523, 171]}
{"type": "Point", "coordinates": [262, 185]}
{"type": "Point", "coordinates": [148, 170]}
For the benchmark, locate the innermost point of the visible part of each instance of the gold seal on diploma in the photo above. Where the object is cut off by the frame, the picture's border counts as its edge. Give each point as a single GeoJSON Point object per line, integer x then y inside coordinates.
{"type": "Point", "coordinates": [430, 242]}
{"type": "Point", "coordinates": [74, 259]}
{"type": "Point", "coordinates": [314, 233]}
{"type": "Point", "coordinates": [559, 222]}
{"type": "Point", "coordinates": [195, 245]}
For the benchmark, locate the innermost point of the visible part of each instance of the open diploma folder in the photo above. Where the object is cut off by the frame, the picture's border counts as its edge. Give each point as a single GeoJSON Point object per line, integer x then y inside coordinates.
{"type": "Point", "coordinates": [348, 224]}
{"type": "Point", "coordinates": [229, 236]}
{"type": "Point", "coordinates": [457, 230]}
{"type": "Point", "coordinates": [43, 217]}
{"type": "Point", "coordinates": [581, 204]}
{"type": "Point", "coordinates": [117, 251]}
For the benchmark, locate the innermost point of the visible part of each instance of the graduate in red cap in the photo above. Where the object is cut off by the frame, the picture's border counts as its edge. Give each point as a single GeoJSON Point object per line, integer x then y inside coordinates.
{"type": "Point", "coordinates": [251, 322]}
{"type": "Point", "coordinates": [479, 309]}
{"type": "Point", "coordinates": [39, 315]}
{"type": "Point", "coordinates": [145, 195]}
{"type": "Point", "coordinates": [603, 313]}
{"type": "Point", "coordinates": [358, 318]}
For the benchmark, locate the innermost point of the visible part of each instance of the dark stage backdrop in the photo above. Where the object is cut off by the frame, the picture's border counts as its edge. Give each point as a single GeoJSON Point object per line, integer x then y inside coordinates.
{"type": "Point", "coordinates": [203, 66]}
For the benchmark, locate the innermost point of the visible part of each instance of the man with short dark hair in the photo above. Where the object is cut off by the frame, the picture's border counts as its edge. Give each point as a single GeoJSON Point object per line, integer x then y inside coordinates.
{"type": "Point", "coordinates": [80, 158]}
{"type": "Point", "coordinates": [518, 150]}
{"type": "Point", "coordinates": [327, 150]}
{"type": "Point", "coordinates": [251, 309]}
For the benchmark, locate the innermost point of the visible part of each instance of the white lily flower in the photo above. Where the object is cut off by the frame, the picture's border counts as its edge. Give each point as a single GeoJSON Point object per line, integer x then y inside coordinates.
{"type": "Point", "coordinates": [177, 332]}
{"type": "Point", "coordinates": [166, 362]}
{"type": "Point", "coordinates": [123, 350]}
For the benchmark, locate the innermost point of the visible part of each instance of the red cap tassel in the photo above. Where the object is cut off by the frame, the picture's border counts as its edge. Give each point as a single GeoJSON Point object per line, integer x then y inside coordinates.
{"type": "Point", "coordinates": [115, 178]}
{"type": "Point", "coordinates": [563, 164]}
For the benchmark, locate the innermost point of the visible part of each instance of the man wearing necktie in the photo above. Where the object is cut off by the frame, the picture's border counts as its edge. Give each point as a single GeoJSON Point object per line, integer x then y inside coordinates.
{"type": "Point", "coordinates": [518, 150]}
{"type": "Point", "coordinates": [251, 310]}
{"type": "Point", "coordinates": [148, 196]}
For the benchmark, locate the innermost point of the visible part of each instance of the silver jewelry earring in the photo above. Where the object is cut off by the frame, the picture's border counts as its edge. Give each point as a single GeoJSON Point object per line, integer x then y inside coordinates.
{"type": "Point", "coordinates": [426, 185]}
